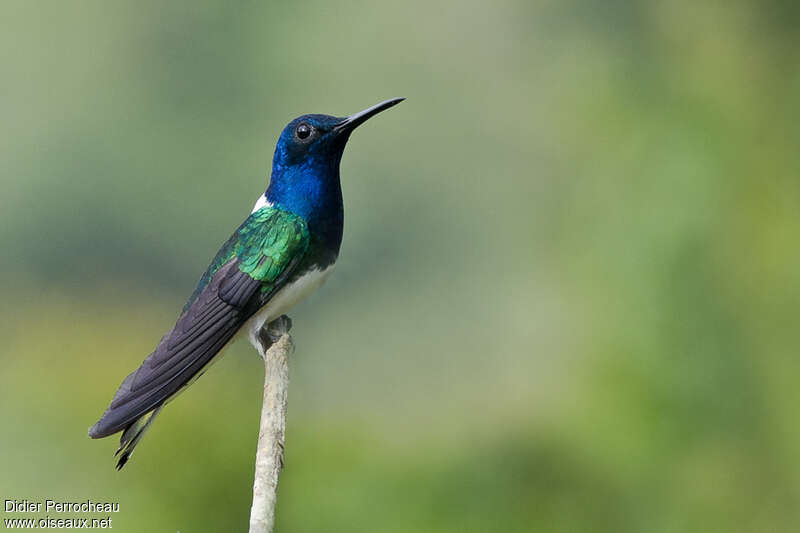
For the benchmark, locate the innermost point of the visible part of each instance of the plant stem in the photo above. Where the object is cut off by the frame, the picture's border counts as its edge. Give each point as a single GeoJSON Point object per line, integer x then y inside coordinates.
{"type": "Point", "coordinates": [276, 345]}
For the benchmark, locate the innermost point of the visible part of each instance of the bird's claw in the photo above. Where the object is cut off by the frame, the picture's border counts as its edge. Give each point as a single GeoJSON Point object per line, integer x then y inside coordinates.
{"type": "Point", "coordinates": [270, 333]}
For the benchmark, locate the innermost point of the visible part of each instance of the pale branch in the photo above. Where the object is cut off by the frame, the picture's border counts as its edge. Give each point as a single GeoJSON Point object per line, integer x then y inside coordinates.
{"type": "Point", "coordinates": [275, 347]}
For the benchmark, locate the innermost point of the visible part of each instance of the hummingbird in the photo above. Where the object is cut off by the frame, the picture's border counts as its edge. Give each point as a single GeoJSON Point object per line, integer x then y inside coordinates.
{"type": "Point", "coordinates": [279, 255]}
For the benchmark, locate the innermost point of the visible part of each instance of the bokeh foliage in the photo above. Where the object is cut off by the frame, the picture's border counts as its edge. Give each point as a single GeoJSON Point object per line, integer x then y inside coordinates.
{"type": "Point", "coordinates": [568, 284]}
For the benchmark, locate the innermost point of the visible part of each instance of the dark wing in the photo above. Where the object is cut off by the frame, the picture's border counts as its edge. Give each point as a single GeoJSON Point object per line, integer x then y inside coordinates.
{"type": "Point", "coordinates": [251, 267]}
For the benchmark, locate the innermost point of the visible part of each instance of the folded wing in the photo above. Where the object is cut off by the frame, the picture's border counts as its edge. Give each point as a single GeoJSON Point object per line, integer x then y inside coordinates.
{"type": "Point", "coordinates": [252, 265]}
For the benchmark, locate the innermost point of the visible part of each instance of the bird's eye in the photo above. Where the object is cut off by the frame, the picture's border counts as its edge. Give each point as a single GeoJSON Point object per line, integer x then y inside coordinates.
{"type": "Point", "coordinates": [303, 131]}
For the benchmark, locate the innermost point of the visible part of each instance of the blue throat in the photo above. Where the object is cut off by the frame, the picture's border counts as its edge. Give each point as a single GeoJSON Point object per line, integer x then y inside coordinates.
{"type": "Point", "coordinates": [305, 175]}
{"type": "Point", "coordinates": [311, 189]}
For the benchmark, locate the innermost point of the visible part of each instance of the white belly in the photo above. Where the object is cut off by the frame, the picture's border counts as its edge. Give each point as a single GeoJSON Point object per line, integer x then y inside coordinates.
{"type": "Point", "coordinates": [283, 300]}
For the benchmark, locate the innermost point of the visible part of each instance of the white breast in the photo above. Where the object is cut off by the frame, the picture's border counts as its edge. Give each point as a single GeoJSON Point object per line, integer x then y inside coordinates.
{"type": "Point", "coordinates": [261, 202]}
{"type": "Point", "coordinates": [286, 298]}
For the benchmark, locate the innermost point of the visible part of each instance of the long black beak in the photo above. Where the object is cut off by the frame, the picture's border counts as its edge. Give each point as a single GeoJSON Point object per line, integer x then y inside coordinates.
{"type": "Point", "coordinates": [353, 121]}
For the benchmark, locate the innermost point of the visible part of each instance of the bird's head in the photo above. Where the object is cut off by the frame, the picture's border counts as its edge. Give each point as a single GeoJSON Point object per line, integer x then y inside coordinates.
{"type": "Point", "coordinates": [307, 157]}
{"type": "Point", "coordinates": [319, 139]}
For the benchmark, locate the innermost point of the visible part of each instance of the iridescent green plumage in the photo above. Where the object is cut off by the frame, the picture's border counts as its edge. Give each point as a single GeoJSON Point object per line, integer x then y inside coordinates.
{"type": "Point", "coordinates": [266, 242]}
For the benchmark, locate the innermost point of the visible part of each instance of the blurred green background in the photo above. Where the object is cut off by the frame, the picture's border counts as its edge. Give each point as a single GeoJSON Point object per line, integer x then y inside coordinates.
{"type": "Point", "coordinates": [568, 287]}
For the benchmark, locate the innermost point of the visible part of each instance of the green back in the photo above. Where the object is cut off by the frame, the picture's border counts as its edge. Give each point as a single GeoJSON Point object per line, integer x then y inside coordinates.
{"type": "Point", "coordinates": [263, 246]}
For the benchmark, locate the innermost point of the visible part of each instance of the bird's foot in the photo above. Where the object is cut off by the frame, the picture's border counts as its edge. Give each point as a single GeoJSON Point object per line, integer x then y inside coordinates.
{"type": "Point", "coordinates": [270, 333]}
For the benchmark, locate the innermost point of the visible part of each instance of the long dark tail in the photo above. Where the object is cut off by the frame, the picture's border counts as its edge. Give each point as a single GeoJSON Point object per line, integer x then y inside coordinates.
{"type": "Point", "coordinates": [133, 434]}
